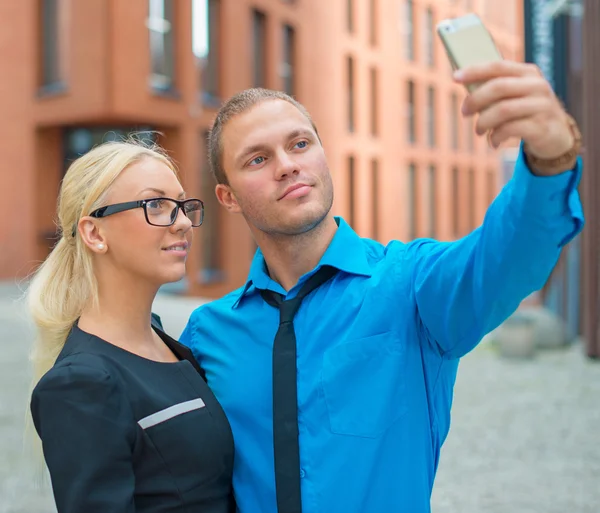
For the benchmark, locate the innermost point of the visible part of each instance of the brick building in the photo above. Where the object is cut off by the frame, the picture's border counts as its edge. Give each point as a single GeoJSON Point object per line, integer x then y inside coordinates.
{"type": "Point", "coordinates": [372, 73]}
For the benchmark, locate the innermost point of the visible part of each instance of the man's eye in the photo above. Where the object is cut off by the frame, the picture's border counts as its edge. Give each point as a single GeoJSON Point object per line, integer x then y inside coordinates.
{"type": "Point", "coordinates": [257, 161]}
{"type": "Point", "coordinates": [302, 144]}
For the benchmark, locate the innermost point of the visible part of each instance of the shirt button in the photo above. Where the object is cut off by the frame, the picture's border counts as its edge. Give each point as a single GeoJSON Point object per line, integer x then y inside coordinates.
{"type": "Point", "coordinates": [302, 473]}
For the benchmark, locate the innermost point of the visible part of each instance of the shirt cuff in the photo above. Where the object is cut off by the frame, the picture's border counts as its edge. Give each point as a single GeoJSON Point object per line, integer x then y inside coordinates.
{"type": "Point", "coordinates": [550, 198]}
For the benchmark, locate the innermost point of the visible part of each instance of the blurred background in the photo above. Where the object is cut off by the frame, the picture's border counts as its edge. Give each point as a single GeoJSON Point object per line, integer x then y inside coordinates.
{"type": "Point", "coordinates": [405, 164]}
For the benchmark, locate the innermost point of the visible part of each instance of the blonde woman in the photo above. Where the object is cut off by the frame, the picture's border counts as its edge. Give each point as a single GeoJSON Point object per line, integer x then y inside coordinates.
{"type": "Point", "coordinates": [126, 420]}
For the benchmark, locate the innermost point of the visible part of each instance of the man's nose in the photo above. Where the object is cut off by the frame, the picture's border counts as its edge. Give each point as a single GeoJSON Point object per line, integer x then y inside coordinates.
{"type": "Point", "coordinates": [286, 166]}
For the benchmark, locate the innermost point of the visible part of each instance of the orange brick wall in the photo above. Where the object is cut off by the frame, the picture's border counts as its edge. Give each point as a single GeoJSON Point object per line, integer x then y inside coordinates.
{"type": "Point", "coordinates": [106, 62]}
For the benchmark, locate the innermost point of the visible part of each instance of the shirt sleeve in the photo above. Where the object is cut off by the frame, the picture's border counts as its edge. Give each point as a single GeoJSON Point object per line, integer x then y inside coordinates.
{"type": "Point", "coordinates": [465, 289]}
{"type": "Point", "coordinates": [87, 433]}
{"type": "Point", "coordinates": [188, 336]}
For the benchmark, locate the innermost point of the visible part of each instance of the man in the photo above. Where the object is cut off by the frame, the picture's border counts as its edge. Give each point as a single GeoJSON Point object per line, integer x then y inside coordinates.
{"type": "Point", "coordinates": [346, 409]}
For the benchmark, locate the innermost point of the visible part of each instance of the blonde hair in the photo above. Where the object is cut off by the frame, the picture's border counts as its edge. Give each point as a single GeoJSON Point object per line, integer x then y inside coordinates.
{"type": "Point", "coordinates": [65, 283]}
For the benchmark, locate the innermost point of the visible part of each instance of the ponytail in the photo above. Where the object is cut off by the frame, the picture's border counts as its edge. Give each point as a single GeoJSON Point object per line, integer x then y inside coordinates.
{"type": "Point", "coordinates": [58, 292]}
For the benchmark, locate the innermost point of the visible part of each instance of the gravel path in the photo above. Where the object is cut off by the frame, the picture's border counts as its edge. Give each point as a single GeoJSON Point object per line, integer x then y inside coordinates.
{"type": "Point", "coordinates": [525, 436]}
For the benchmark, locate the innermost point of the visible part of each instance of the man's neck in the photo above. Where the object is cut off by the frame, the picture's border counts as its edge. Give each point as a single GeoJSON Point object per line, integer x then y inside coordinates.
{"type": "Point", "coordinates": [288, 258]}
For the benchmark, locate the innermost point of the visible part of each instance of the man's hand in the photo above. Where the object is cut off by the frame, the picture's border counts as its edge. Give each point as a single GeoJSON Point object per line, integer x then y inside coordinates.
{"type": "Point", "coordinates": [515, 100]}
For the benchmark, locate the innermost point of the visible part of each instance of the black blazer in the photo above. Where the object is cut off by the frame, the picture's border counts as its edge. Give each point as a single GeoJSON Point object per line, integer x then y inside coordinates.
{"type": "Point", "coordinates": [125, 434]}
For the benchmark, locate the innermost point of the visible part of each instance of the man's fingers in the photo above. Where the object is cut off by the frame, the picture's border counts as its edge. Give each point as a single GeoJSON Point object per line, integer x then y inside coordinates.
{"type": "Point", "coordinates": [523, 128]}
{"type": "Point", "coordinates": [502, 68]}
{"type": "Point", "coordinates": [498, 114]}
{"type": "Point", "coordinates": [499, 89]}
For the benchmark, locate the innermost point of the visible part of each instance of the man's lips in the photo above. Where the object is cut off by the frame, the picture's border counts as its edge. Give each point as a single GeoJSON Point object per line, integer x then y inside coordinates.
{"type": "Point", "coordinates": [296, 190]}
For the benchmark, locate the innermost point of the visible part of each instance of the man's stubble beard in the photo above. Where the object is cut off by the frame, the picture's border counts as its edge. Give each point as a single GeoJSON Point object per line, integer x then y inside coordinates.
{"type": "Point", "coordinates": [272, 226]}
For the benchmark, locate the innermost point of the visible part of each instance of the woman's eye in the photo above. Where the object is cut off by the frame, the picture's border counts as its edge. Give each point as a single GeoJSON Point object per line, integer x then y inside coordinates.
{"type": "Point", "coordinates": [154, 204]}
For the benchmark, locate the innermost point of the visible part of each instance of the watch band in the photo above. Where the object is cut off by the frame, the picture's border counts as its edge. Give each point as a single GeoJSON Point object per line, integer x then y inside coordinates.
{"type": "Point", "coordinates": [564, 162]}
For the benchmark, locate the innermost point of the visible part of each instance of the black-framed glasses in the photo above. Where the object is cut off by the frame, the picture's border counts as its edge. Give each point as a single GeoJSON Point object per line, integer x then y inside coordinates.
{"type": "Point", "coordinates": [158, 211]}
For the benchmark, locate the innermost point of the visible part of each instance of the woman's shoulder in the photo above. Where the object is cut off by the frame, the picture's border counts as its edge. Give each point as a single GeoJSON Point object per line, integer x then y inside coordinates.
{"type": "Point", "coordinates": [82, 389]}
{"type": "Point", "coordinates": [79, 373]}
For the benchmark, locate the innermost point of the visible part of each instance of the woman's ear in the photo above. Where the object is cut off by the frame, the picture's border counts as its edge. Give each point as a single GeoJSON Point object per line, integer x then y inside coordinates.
{"type": "Point", "coordinates": [91, 235]}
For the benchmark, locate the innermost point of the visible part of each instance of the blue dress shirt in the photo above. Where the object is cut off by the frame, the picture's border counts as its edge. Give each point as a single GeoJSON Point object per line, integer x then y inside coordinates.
{"type": "Point", "coordinates": [378, 349]}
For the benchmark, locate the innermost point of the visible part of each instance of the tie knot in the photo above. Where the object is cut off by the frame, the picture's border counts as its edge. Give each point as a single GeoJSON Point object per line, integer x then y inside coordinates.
{"type": "Point", "coordinates": [288, 309]}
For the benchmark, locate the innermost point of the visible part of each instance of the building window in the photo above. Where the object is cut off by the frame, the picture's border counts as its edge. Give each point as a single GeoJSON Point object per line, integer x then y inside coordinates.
{"type": "Point", "coordinates": [205, 41]}
{"type": "Point", "coordinates": [259, 48]}
{"type": "Point", "coordinates": [50, 63]}
{"type": "Point", "coordinates": [374, 102]}
{"type": "Point", "coordinates": [162, 44]}
{"type": "Point", "coordinates": [412, 203]}
{"type": "Point", "coordinates": [351, 191]}
{"type": "Point", "coordinates": [78, 140]}
{"type": "Point", "coordinates": [351, 94]}
{"type": "Point", "coordinates": [472, 200]}
{"type": "Point", "coordinates": [409, 20]}
{"type": "Point", "coordinates": [412, 122]}
{"type": "Point", "coordinates": [432, 201]}
{"type": "Point", "coordinates": [289, 59]}
{"type": "Point", "coordinates": [375, 199]}
{"type": "Point", "coordinates": [210, 257]}
{"type": "Point", "coordinates": [350, 15]}
{"type": "Point", "coordinates": [373, 22]}
{"type": "Point", "coordinates": [429, 42]}
{"type": "Point", "coordinates": [455, 202]}
{"type": "Point", "coordinates": [431, 128]}
{"type": "Point", "coordinates": [454, 119]}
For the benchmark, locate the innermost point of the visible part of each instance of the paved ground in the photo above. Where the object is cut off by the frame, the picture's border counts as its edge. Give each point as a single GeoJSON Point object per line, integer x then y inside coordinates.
{"type": "Point", "coordinates": [525, 435]}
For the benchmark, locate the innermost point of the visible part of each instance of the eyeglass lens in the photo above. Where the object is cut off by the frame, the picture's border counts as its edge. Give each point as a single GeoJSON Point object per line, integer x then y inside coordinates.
{"type": "Point", "coordinates": [163, 212]}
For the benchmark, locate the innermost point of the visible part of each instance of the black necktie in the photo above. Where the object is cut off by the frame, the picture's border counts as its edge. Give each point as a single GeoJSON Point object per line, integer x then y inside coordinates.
{"type": "Point", "coordinates": [285, 396]}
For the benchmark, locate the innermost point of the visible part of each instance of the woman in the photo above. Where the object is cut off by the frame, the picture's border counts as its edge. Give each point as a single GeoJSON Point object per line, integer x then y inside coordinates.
{"type": "Point", "coordinates": [126, 420]}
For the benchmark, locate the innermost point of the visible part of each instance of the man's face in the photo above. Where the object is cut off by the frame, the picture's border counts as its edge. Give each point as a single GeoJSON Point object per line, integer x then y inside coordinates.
{"type": "Point", "coordinates": [277, 171]}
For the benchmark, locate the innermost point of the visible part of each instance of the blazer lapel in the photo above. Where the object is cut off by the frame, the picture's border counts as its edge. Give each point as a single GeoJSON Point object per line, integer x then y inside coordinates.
{"type": "Point", "coordinates": [181, 351]}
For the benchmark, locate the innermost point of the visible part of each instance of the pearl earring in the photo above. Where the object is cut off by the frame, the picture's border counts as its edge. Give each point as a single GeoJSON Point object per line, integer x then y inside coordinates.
{"type": "Point", "coordinates": [100, 246]}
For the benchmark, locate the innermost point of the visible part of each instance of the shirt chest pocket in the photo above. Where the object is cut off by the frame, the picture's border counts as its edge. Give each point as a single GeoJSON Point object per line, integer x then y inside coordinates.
{"type": "Point", "coordinates": [185, 437]}
{"type": "Point", "coordinates": [364, 385]}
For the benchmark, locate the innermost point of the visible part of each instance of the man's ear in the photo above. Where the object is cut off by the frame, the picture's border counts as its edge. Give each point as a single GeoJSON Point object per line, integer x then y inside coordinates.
{"type": "Point", "coordinates": [227, 198]}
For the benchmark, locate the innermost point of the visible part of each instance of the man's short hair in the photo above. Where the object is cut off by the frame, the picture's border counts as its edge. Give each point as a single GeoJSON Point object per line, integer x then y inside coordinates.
{"type": "Point", "coordinates": [238, 104]}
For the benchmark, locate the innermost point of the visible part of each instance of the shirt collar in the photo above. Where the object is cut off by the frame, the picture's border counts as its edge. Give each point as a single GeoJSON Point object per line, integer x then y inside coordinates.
{"type": "Point", "coordinates": [346, 252]}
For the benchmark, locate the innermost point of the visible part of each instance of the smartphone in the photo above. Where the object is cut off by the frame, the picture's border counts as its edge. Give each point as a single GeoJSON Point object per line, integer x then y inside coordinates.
{"type": "Point", "coordinates": [467, 42]}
